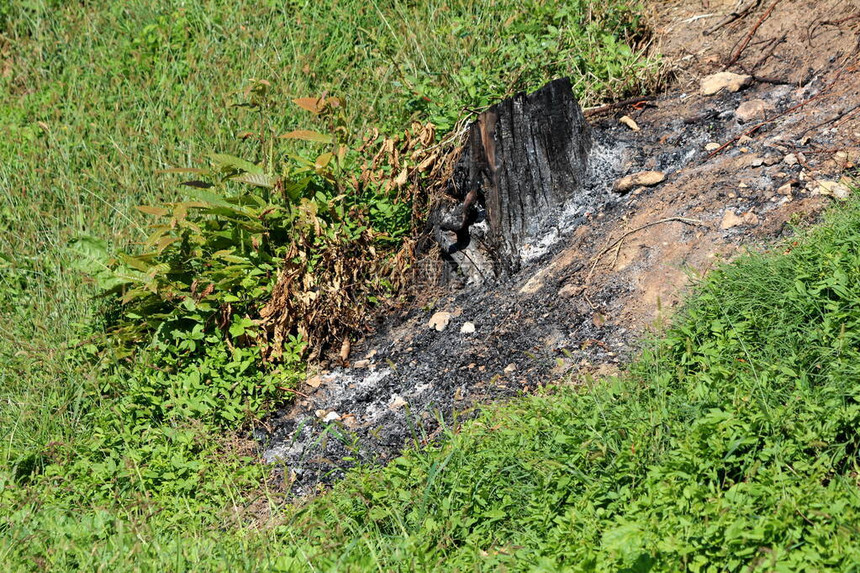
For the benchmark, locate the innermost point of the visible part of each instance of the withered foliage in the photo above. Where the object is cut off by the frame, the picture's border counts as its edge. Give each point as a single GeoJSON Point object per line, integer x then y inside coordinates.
{"type": "Point", "coordinates": [329, 282]}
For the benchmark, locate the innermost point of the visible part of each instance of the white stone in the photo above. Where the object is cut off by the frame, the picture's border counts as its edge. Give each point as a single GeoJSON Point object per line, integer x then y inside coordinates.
{"type": "Point", "coordinates": [752, 109]}
{"type": "Point", "coordinates": [629, 122]}
{"type": "Point", "coordinates": [331, 417]}
{"type": "Point", "coordinates": [785, 189]}
{"type": "Point", "coordinates": [646, 178]}
{"type": "Point", "coordinates": [834, 189]}
{"type": "Point", "coordinates": [716, 83]}
{"type": "Point", "coordinates": [467, 328]}
{"type": "Point", "coordinates": [730, 220]}
{"type": "Point", "coordinates": [440, 321]}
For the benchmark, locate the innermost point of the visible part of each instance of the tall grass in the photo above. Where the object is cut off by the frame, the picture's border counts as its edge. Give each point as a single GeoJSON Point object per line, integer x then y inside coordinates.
{"type": "Point", "coordinates": [97, 96]}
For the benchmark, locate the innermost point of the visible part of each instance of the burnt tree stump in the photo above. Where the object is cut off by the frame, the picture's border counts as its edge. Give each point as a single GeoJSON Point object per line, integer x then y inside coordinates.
{"type": "Point", "coordinates": [522, 159]}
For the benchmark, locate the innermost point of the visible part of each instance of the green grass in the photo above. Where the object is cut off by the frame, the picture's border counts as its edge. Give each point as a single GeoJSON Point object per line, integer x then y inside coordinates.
{"type": "Point", "coordinates": [731, 444]}
{"type": "Point", "coordinates": [111, 464]}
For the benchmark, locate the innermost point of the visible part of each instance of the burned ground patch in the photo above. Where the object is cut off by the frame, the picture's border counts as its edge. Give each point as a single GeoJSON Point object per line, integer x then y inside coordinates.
{"type": "Point", "coordinates": [737, 169]}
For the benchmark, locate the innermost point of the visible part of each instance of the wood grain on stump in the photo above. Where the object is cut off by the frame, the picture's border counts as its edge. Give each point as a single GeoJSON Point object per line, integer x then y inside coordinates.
{"type": "Point", "coordinates": [523, 158]}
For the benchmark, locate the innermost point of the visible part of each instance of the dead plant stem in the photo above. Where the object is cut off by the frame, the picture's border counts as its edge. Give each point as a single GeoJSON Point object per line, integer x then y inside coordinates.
{"type": "Point", "coordinates": [617, 242]}
{"type": "Point", "coordinates": [736, 56]}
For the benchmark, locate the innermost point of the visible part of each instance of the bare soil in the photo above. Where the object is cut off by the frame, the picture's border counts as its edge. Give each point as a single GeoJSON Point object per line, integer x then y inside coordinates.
{"type": "Point", "coordinates": [614, 264]}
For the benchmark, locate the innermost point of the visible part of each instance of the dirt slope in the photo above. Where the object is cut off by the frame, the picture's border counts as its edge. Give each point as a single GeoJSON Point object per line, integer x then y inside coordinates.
{"type": "Point", "coordinates": [737, 167]}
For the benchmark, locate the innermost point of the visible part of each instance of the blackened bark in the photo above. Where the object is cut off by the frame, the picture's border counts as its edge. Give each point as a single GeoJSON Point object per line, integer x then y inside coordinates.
{"type": "Point", "coordinates": [524, 157]}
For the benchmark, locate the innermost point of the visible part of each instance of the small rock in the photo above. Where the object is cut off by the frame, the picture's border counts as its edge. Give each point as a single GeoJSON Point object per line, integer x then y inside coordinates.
{"type": "Point", "coordinates": [397, 403]}
{"type": "Point", "coordinates": [757, 162]}
{"type": "Point", "coordinates": [467, 328]}
{"type": "Point", "coordinates": [715, 83]}
{"type": "Point", "coordinates": [771, 160]}
{"type": "Point", "coordinates": [570, 290]}
{"type": "Point", "coordinates": [834, 189]}
{"type": "Point", "coordinates": [752, 109]}
{"type": "Point", "coordinates": [712, 146]}
{"type": "Point", "coordinates": [730, 220]}
{"type": "Point", "coordinates": [790, 159]}
{"type": "Point", "coordinates": [842, 193]}
{"type": "Point", "coordinates": [750, 218]}
{"type": "Point", "coordinates": [331, 417]}
{"type": "Point", "coordinates": [440, 321]}
{"type": "Point", "coordinates": [629, 122]}
{"type": "Point", "coordinates": [744, 139]}
{"type": "Point", "coordinates": [361, 364]}
{"type": "Point", "coordinates": [647, 178]}
{"type": "Point", "coordinates": [510, 368]}
{"type": "Point", "coordinates": [785, 189]}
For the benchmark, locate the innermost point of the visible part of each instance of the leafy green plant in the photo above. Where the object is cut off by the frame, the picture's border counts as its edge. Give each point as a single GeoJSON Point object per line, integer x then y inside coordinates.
{"type": "Point", "coordinates": [210, 264]}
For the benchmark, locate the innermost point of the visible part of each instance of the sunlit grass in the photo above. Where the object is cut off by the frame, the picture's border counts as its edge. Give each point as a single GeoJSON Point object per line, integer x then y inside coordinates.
{"type": "Point", "coordinates": [95, 97]}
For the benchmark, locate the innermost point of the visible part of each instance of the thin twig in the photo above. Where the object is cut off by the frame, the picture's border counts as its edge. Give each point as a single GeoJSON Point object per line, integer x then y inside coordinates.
{"type": "Point", "coordinates": [699, 17]}
{"type": "Point", "coordinates": [736, 56]}
{"type": "Point", "coordinates": [618, 241]}
{"type": "Point", "coordinates": [592, 111]}
{"type": "Point", "coordinates": [813, 27]}
{"type": "Point", "coordinates": [293, 390]}
{"type": "Point", "coordinates": [768, 52]}
{"type": "Point", "coordinates": [740, 13]}
{"type": "Point", "coordinates": [842, 116]}
{"type": "Point", "coordinates": [615, 256]}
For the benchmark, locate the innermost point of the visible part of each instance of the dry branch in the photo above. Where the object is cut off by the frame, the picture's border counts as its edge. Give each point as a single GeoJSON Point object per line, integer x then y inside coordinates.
{"type": "Point", "coordinates": [592, 111]}
{"type": "Point", "coordinates": [617, 242]}
{"type": "Point", "coordinates": [740, 13]}
{"type": "Point", "coordinates": [736, 56]}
